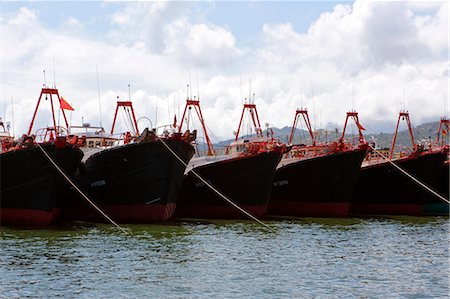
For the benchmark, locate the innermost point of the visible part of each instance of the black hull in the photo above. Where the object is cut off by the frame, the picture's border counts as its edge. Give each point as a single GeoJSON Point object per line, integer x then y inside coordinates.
{"type": "Point", "coordinates": [384, 190]}
{"type": "Point", "coordinates": [443, 181]}
{"type": "Point", "coordinates": [316, 187]}
{"type": "Point", "coordinates": [435, 206]}
{"type": "Point", "coordinates": [32, 191]}
{"type": "Point", "coordinates": [247, 181]}
{"type": "Point", "coordinates": [134, 183]}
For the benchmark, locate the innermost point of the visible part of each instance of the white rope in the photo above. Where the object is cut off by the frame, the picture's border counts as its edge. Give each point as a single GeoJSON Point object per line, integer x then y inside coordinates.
{"type": "Point", "coordinates": [215, 190]}
{"type": "Point", "coordinates": [411, 177]}
{"type": "Point", "coordinates": [79, 191]}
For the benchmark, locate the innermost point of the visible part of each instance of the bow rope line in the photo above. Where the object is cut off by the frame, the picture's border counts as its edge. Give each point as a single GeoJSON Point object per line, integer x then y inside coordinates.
{"type": "Point", "coordinates": [215, 190]}
{"type": "Point", "coordinates": [79, 191]}
{"type": "Point", "coordinates": [412, 177]}
{"type": "Point", "coordinates": [406, 173]}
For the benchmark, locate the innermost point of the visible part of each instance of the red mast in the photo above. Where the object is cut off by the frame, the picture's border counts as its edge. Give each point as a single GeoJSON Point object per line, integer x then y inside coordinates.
{"type": "Point", "coordinates": [255, 119]}
{"type": "Point", "coordinates": [128, 108]}
{"type": "Point", "coordinates": [196, 105]}
{"type": "Point", "coordinates": [304, 114]}
{"type": "Point", "coordinates": [403, 115]}
{"type": "Point", "coordinates": [353, 115]}
{"type": "Point", "coordinates": [49, 91]}
{"type": "Point", "coordinates": [444, 126]}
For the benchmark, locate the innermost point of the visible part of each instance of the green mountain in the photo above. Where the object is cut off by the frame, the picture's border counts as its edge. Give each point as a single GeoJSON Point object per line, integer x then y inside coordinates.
{"type": "Point", "coordinates": [422, 133]}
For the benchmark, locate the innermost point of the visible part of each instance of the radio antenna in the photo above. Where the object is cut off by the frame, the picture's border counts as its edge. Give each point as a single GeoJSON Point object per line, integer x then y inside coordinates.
{"type": "Point", "coordinates": [240, 84]}
{"type": "Point", "coordinates": [99, 99]}
{"type": "Point", "coordinates": [190, 83]}
{"type": "Point", "coordinates": [250, 91]}
{"type": "Point", "coordinates": [12, 112]}
{"type": "Point", "coordinates": [45, 80]}
{"type": "Point", "coordinates": [301, 94]}
{"type": "Point", "coordinates": [198, 90]}
{"type": "Point", "coordinates": [314, 106]}
{"type": "Point", "coordinates": [54, 71]}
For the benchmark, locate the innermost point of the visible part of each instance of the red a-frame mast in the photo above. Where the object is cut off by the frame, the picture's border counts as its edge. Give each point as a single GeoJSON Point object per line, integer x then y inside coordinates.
{"type": "Point", "coordinates": [128, 108]}
{"type": "Point", "coordinates": [444, 124]}
{"type": "Point", "coordinates": [255, 119]}
{"type": "Point", "coordinates": [196, 105]}
{"type": "Point", "coordinates": [403, 115]}
{"type": "Point", "coordinates": [353, 115]}
{"type": "Point", "coordinates": [304, 113]}
{"type": "Point", "coordinates": [49, 91]}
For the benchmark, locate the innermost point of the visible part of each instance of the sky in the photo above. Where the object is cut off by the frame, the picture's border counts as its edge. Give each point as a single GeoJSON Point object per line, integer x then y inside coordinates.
{"type": "Point", "coordinates": [329, 57]}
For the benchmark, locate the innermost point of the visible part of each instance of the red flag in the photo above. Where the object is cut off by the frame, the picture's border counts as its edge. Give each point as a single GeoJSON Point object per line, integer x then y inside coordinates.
{"type": "Point", "coordinates": [64, 105]}
{"type": "Point", "coordinates": [360, 127]}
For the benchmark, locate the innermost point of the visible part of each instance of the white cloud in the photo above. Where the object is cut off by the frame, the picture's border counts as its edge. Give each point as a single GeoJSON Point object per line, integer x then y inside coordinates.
{"type": "Point", "coordinates": [375, 48]}
{"type": "Point", "coordinates": [165, 29]}
{"type": "Point", "coordinates": [200, 45]}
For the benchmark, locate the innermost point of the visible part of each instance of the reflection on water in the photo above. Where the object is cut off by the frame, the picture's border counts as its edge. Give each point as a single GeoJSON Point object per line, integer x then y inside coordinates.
{"type": "Point", "coordinates": [372, 257]}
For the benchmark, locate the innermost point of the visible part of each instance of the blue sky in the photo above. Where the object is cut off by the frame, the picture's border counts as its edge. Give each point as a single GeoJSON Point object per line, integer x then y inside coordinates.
{"type": "Point", "coordinates": [243, 18]}
{"type": "Point", "coordinates": [367, 50]}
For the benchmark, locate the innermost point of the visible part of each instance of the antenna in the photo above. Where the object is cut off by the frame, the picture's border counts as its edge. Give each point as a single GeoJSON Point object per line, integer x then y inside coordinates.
{"type": "Point", "coordinates": [240, 84]}
{"type": "Point", "coordinates": [314, 106]}
{"type": "Point", "coordinates": [12, 112]}
{"type": "Point", "coordinates": [446, 105]}
{"type": "Point", "coordinates": [250, 91]}
{"type": "Point", "coordinates": [190, 83]}
{"type": "Point", "coordinates": [198, 91]}
{"type": "Point", "coordinates": [129, 92]}
{"type": "Point", "coordinates": [45, 81]}
{"type": "Point", "coordinates": [54, 71]}
{"type": "Point", "coordinates": [320, 116]}
{"type": "Point", "coordinates": [353, 97]}
{"type": "Point", "coordinates": [187, 91]}
{"type": "Point", "coordinates": [99, 99]}
{"type": "Point", "coordinates": [404, 98]}
{"type": "Point", "coordinates": [301, 93]}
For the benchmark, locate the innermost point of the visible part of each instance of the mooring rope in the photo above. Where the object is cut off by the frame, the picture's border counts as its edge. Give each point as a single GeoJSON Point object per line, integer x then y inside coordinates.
{"type": "Point", "coordinates": [79, 191]}
{"type": "Point", "coordinates": [411, 177]}
{"type": "Point", "coordinates": [215, 190]}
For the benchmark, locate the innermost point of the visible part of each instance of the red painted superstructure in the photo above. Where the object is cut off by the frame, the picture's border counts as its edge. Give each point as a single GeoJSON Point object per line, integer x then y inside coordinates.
{"type": "Point", "coordinates": [382, 189]}
{"type": "Point", "coordinates": [317, 180]}
{"type": "Point", "coordinates": [243, 171]}
{"type": "Point", "coordinates": [32, 191]}
{"type": "Point", "coordinates": [136, 181]}
{"type": "Point", "coordinates": [196, 105]}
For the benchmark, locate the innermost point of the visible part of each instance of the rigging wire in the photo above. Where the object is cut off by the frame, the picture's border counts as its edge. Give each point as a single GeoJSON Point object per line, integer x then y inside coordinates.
{"type": "Point", "coordinates": [404, 171]}
{"type": "Point", "coordinates": [215, 190]}
{"type": "Point", "coordinates": [81, 192]}
{"type": "Point", "coordinates": [122, 113]}
{"type": "Point", "coordinates": [411, 176]}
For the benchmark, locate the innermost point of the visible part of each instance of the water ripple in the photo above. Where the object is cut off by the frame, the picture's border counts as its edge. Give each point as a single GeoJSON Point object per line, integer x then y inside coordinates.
{"type": "Point", "coordinates": [314, 258]}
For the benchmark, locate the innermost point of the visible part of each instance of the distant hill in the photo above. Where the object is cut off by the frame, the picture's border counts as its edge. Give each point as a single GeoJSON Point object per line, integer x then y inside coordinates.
{"type": "Point", "coordinates": [422, 133]}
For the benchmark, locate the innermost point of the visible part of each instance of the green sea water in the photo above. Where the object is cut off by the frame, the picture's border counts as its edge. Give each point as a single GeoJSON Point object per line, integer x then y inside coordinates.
{"type": "Point", "coordinates": [399, 257]}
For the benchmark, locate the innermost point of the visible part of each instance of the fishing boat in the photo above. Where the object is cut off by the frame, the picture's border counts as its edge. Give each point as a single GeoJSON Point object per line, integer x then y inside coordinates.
{"type": "Point", "coordinates": [242, 171]}
{"type": "Point", "coordinates": [434, 205]}
{"type": "Point", "coordinates": [32, 190]}
{"type": "Point", "coordinates": [382, 189]}
{"type": "Point", "coordinates": [133, 180]}
{"type": "Point", "coordinates": [317, 180]}
{"type": "Point", "coordinates": [6, 139]}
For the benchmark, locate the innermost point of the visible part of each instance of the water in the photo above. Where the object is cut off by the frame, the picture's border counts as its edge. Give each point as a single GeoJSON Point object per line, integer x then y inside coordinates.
{"type": "Point", "coordinates": [313, 258]}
